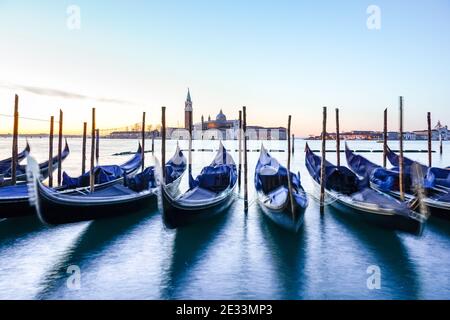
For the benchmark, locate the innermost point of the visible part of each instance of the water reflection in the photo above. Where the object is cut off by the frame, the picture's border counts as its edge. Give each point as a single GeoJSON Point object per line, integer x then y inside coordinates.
{"type": "Point", "coordinates": [97, 238]}
{"type": "Point", "coordinates": [440, 226]}
{"type": "Point", "coordinates": [288, 254]}
{"type": "Point", "coordinates": [387, 250]}
{"type": "Point", "coordinates": [13, 229]}
{"type": "Point", "coordinates": [190, 245]}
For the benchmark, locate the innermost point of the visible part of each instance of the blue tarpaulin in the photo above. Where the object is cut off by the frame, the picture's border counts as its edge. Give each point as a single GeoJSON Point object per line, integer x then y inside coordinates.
{"type": "Point", "coordinates": [102, 174]}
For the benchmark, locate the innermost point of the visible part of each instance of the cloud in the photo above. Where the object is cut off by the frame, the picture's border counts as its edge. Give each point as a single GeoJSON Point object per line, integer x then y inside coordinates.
{"type": "Point", "coordinates": [49, 92]}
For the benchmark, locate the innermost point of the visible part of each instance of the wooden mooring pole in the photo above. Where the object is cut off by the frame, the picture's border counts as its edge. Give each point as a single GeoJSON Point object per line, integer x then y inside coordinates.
{"type": "Point", "coordinates": [293, 143]}
{"type": "Point", "coordinates": [15, 146]}
{"type": "Point", "coordinates": [153, 142]}
{"type": "Point", "coordinates": [50, 152]}
{"type": "Point", "coordinates": [322, 167]}
{"type": "Point", "coordinates": [60, 137]}
{"type": "Point", "coordinates": [401, 160]}
{"type": "Point", "coordinates": [91, 171]}
{"type": "Point", "coordinates": [83, 149]}
{"type": "Point", "coordinates": [163, 143]}
{"type": "Point", "coordinates": [97, 145]}
{"type": "Point", "coordinates": [385, 138]}
{"type": "Point", "coordinates": [143, 141]}
{"type": "Point", "coordinates": [244, 129]}
{"type": "Point", "coordinates": [240, 149]}
{"type": "Point", "coordinates": [291, 198]}
{"type": "Point", "coordinates": [430, 160]}
{"type": "Point", "coordinates": [338, 140]}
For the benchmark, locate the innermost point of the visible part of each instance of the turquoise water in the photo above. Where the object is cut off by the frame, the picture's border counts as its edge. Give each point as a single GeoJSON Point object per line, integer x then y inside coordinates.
{"type": "Point", "coordinates": [236, 256]}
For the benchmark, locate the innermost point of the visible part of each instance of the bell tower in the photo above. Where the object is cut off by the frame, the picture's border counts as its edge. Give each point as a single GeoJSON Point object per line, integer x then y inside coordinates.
{"type": "Point", "coordinates": [188, 112]}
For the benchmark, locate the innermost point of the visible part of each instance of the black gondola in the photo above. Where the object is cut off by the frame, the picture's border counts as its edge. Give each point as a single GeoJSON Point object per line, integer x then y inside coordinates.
{"type": "Point", "coordinates": [433, 176]}
{"type": "Point", "coordinates": [14, 198]}
{"type": "Point", "coordinates": [21, 171]}
{"type": "Point", "coordinates": [349, 194]}
{"type": "Point", "coordinates": [6, 164]}
{"type": "Point", "coordinates": [136, 193]}
{"type": "Point", "coordinates": [15, 201]}
{"type": "Point", "coordinates": [436, 200]}
{"type": "Point", "coordinates": [209, 195]}
{"type": "Point", "coordinates": [273, 194]}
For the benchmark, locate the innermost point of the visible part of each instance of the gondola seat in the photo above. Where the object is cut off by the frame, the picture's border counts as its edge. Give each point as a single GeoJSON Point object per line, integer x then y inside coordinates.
{"type": "Point", "coordinates": [215, 178]}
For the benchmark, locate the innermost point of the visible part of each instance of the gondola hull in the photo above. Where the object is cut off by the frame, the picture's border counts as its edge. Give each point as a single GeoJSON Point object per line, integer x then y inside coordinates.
{"type": "Point", "coordinates": [372, 215]}
{"type": "Point", "coordinates": [437, 209]}
{"type": "Point", "coordinates": [54, 210]}
{"type": "Point", "coordinates": [16, 208]}
{"type": "Point", "coordinates": [17, 204]}
{"type": "Point", "coordinates": [110, 199]}
{"type": "Point", "coordinates": [282, 215]}
{"type": "Point", "coordinates": [348, 194]}
{"type": "Point", "coordinates": [272, 184]}
{"type": "Point", "coordinates": [177, 215]}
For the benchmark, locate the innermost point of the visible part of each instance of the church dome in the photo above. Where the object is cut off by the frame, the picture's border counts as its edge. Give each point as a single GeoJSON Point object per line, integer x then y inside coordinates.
{"type": "Point", "coordinates": [221, 117]}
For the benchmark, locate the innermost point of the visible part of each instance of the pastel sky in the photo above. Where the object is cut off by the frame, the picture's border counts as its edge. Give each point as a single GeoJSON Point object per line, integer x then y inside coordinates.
{"type": "Point", "coordinates": [276, 57]}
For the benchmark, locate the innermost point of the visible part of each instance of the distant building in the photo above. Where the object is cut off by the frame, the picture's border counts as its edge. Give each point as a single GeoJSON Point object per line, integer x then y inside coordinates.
{"type": "Point", "coordinates": [222, 128]}
{"type": "Point", "coordinates": [393, 135]}
{"type": "Point", "coordinates": [438, 132]}
{"type": "Point", "coordinates": [409, 136]}
{"type": "Point", "coordinates": [133, 134]}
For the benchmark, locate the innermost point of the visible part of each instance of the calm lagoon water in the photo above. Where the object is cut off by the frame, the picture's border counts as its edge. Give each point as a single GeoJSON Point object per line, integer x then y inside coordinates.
{"type": "Point", "coordinates": [236, 256]}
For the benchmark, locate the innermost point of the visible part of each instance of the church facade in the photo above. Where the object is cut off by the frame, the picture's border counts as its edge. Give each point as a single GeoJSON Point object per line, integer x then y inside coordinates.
{"type": "Point", "coordinates": [221, 128]}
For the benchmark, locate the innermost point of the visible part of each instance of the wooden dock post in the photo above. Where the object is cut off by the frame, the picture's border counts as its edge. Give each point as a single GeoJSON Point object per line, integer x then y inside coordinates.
{"type": "Point", "coordinates": [153, 142]}
{"type": "Point", "coordinates": [143, 141]}
{"type": "Point", "coordinates": [50, 152]}
{"type": "Point", "coordinates": [83, 149]}
{"type": "Point", "coordinates": [240, 149]}
{"type": "Point", "coordinates": [60, 134]}
{"type": "Point", "coordinates": [244, 129]}
{"type": "Point", "coordinates": [163, 143]}
{"type": "Point", "coordinates": [385, 138]}
{"type": "Point", "coordinates": [293, 143]}
{"type": "Point", "coordinates": [441, 149]}
{"type": "Point", "coordinates": [15, 147]}
{"type": "Point", "coordinates": [91, 171]}
{"type": "Point", "coordinates": [401, 161]}
{"type": "Point", "coordinates": [291, 198]}
{"type": "Point", "coordinates": [322, 167]}
{"type": "Point", "coordinates": [338, 140]}
{"type": "Point", "coordinates": [97, 145]}
{"type": "Point", "coordinates": [429, 139]}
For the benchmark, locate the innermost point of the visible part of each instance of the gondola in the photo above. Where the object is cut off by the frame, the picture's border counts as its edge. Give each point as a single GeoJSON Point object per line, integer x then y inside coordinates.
{"type": "Point", "coordinates": [351, 195]}
{"type": "Point", "coordinates": [433, 176]}
{"type": "Point", "coordinates": [272, 190]}
{"type": "Point", "coordinates": [104, 175]}
{"type": "Point", "coordinates": [6, 164]}
{"type": "Point", "coordinates": [134, 194]}
{"type": "Point", "coordinates": [14, 200]}
{"type": "Point", "coordinates": [436, 199]}
{"type": "Point", "coordinates": [209, 195]}
{"type": "Point", "coordinates": [21, 175]}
